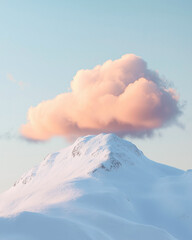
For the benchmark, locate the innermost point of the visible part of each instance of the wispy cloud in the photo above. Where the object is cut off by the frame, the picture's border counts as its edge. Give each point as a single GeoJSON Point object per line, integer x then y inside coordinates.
{"type": "Point", "coordinates": [8, 135]}
{"type": "Point", "coordinates": [10, 77]}
{"type": "Point", "coordinates": [11, 135]}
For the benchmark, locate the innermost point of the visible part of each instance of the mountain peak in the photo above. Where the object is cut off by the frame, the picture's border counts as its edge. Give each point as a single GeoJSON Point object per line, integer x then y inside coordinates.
{"type": "Point", "coordinates": [90, 153]}
{"type": "Point", "coordinates": [111, 150]}
{"type": "Point", "coordinates": [91, 157]}
{"type": "Point", "coordinates": [97, 182]}
{"type": "Point", "coordinates": [107, 141]}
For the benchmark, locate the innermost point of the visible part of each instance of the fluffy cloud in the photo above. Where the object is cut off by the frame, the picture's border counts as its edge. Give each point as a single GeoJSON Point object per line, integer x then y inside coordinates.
{"type": "Point", "coordinates": [121, 96]}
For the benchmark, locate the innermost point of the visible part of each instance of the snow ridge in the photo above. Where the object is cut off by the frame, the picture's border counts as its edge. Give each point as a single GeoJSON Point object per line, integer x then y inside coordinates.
{"type": "Point", "coordinates": [100, 187]}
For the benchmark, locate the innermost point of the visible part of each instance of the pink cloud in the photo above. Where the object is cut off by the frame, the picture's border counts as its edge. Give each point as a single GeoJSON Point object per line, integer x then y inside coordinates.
{"type": "Point", "coordinates": [121, 96]}
{"type": "Point", "coordinates": [10, 77]}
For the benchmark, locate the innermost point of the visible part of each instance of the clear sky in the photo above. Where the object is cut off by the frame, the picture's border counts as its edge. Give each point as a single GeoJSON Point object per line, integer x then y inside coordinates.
{"type": "Point", "coordinates": [44, 43]}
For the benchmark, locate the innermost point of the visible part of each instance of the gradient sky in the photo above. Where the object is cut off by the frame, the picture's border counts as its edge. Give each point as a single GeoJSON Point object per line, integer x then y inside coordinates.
{"type": "Point", "coordinates": [44, 43]}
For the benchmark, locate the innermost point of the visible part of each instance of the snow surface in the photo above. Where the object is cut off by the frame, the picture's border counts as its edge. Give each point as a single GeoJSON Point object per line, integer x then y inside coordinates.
{"type": "Point", "coordinates": [100, 188]}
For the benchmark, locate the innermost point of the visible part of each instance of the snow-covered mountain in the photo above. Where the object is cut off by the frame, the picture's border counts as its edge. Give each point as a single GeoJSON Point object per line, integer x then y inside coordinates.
{"type": "Point", "coordinates": [100, 188]}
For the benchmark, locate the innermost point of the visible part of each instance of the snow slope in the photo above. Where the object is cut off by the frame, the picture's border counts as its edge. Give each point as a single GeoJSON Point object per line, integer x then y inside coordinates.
{"type": "Point", "coordinates": [100, 188]}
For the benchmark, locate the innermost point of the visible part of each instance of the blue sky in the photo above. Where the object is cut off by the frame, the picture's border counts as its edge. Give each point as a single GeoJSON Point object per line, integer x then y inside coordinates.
{"type": "Point", "coordinates": [44, 43]}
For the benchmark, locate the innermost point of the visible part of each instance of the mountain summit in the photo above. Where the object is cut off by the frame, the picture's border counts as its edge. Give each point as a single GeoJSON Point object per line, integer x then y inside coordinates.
{"type": "Point", "coordinates": [101, 187]}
